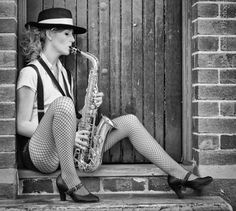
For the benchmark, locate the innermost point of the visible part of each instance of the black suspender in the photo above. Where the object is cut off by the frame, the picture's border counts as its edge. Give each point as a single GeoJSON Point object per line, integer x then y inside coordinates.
{"type": "Point", "coordinates": [44, 65]}
{"type": "Point", "coordinates": [54, 79]}
{"type": "Point", "coordinates": [40, 95]}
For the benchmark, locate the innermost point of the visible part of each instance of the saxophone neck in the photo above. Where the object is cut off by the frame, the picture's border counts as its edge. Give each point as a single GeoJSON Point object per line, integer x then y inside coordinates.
{"type": "Point", "coordinates": [92, 58]}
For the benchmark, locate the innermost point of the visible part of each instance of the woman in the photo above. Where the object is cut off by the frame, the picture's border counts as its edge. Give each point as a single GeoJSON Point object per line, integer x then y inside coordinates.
{"type": "Point", "coordinates": [52, 135]}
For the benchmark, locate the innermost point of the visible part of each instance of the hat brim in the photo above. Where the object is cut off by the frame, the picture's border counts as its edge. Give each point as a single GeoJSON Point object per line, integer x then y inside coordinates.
{"type": "Point", "coordinates": [76, 29]}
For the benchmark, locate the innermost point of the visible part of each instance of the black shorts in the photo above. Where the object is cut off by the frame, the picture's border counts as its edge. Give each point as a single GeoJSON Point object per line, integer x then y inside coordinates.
{"type": "Point", "coordinates": [26, 158]}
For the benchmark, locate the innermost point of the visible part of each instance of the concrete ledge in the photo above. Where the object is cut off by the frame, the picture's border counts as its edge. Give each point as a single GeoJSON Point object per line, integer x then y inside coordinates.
{"type": "Point", "coordinates": [120, 202]}
{"type": "Point", "coordinates": [115, 170]}
{"type": "Point", "coordinates": [218, 171]}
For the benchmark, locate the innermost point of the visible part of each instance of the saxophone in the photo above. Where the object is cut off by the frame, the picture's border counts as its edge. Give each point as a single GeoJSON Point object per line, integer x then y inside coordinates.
{"type": "Point", "coordinates": [90, 159]}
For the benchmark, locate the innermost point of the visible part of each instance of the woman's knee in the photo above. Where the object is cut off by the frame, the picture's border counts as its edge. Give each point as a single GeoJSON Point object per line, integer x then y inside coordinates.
{"type": "Point", "coordinates": [132, 117]}
{"type": "Point", "coordinates": [64, 105]}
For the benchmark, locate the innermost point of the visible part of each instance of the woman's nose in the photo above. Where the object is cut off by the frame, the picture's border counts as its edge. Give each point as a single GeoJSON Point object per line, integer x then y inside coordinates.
{"type": "Point", "coordinates": [73, 39]}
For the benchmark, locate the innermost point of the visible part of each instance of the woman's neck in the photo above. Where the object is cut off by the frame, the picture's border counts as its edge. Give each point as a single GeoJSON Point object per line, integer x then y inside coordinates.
{"type": "Point", "coordinates": [51, 56]}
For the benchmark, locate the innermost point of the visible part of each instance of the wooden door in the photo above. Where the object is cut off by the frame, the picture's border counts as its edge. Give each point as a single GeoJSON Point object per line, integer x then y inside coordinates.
{"type": "Point", "coordinates": [138, 43]}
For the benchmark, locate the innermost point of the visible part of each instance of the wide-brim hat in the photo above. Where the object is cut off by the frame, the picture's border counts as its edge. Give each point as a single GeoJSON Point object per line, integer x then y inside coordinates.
{"type": "Point", "coordinates": [56, 17]}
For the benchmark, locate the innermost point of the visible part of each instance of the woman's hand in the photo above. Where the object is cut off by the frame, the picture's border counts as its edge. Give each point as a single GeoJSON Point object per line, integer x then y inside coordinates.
{"type": "Point", "coordinates": [98, 99]}
{"type": "Point", "coordinates": [81, 139]}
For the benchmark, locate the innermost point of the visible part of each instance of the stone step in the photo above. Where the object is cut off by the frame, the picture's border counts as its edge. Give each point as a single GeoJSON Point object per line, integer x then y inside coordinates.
{"type": "Point", "coordinates": [120, 202]}
{"type": "Point", "coordinates": [142, 178]}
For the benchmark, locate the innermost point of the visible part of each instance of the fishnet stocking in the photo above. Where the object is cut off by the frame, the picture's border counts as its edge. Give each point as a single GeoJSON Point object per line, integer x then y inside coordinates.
{"type": "Point", "coordinates": [53, 141]}
{"type": "Point", "coordinates": [129, 126]}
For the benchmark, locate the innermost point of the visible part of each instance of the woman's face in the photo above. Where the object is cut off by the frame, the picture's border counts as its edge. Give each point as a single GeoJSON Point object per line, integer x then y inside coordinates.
{"type": "Point", "coordinates": [62, 40]}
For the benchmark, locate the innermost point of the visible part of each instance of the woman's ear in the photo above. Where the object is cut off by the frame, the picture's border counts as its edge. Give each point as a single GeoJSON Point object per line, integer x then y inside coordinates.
{"type": "Point", "coordinates": [49, 34]}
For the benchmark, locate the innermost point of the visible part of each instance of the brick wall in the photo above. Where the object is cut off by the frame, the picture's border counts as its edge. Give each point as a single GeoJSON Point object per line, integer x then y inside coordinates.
{"type": "Point", "coordinates": [214, 82]}
{"type": "Point", "coordinates": [8, 64]}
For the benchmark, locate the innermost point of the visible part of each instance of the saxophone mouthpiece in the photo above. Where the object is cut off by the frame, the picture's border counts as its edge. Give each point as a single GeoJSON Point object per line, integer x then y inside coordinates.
{"type": "Point", "coordinates": [75, 50]}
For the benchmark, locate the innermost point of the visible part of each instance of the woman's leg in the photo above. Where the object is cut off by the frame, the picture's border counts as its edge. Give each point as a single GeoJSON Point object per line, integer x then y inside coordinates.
{"type": "Point", "coordinates": [129, 126]}
{"type": "Point", "coordinates": [53, 141]}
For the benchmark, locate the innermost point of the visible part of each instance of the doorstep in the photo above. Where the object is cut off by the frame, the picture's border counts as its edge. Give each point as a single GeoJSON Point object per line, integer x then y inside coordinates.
{"type": "Point", "coordinates": [143, 178]}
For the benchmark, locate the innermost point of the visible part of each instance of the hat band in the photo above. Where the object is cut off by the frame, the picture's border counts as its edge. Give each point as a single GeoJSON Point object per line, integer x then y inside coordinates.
{"type": "Point", "coordinates": [66, 21]}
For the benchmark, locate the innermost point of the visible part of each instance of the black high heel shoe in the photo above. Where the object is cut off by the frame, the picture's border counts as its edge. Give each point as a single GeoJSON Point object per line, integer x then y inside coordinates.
{"type": "Point", "coordinates": [196, 184]}
{"type": "Point", "coordinates": [63, 190]}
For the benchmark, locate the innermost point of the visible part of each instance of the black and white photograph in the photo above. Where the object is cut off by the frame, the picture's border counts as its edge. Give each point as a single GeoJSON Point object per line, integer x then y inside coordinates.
{"type": "Point", "coordinates": [118, 105]}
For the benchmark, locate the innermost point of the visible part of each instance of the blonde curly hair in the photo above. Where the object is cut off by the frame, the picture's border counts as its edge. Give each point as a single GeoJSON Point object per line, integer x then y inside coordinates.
{"type": "Point", "coordinates": [33, 43]}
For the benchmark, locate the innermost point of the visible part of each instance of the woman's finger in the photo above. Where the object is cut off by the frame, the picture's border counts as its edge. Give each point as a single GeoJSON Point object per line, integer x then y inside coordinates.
{"type": "Point", "coordinates": [81, 142]}
{"type": "Point", "coordinates": [83, 132]}
{"type": "Point", "coordinates": [80, 146]}
{"type": "Point", "coordinates": [99, 94]}
{"type": "Point", "coordinates": [82, 137]}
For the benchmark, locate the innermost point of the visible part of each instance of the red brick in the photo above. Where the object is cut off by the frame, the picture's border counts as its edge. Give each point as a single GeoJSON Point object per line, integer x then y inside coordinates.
{"type": "Point", "coordinates": [205, 76]}
{"type": "Point", "coordinates": [8, 76]}
{"type": "Point", "coordinates": [8, 59]}
{"type": "Point", "coordinates": [8, 9]}
{"type": "Point", "coordinates": [228, 109]}
{"type": "Point", "coordinates": [7, 144]}
{"type": "Point", "coordinates": [7, 160]}
{"type": "Point", "coordinates": [228, 142]}
{"type": "Point", "coordinates": [8, 191]}
{"type": "Point", "coordinates": [7, 127]}
{"type": "Point", "coordinates": [228, 76]}
{"type": "Point", "coordinates": [7, 110]}
{"type": "Point", "coordinates": [8, 42]}
{"type": "Point", "coordinates": [8, 183]}
{"type": "Point", "coordinates": [158, 184]}
{"type": "Point", "coordinates": [215, 60]}
{"type": "Point", "coordinates": [7, 93]}
{"type": "Point", "coordinates": [206, 142]}
{"type": "Point", "coordinates": [215, 157]}
{"type": "Point", "coordinates": [92, 184]}
{"type": "Point", "coordinates": [205, 10]}
{"type": "Point", "coordinates": [205, 44]}
{"type": "Point", "coordinates": [37, 186]}
{"type": "Point", "coordinates": [214, 27]}
{"type": "Point", "coordinates": [215, 92]}
{"type": "Point", "coordinates": [8, 25]}
{"type": "Point", "coordinates": [228, 44]}
{"type": "Point", "coordinates": [123, 184]}
{"type": "Point", "coordinates": [205, 109]}
{"type": "Point", "coordinates": [228, 10]}
{"type": "Point", "coordinates": [220, 125]}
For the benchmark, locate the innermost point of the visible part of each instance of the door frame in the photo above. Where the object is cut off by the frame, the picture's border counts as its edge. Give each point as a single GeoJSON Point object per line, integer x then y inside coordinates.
{"type": "Point", "coordinates": [186, 72]}
{"type": "Point", "coordinates": [187, 80]}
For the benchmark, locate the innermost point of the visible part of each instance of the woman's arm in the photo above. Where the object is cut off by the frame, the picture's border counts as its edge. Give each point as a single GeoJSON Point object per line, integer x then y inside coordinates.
{"type": "Point", "coordinates": [25, 101]}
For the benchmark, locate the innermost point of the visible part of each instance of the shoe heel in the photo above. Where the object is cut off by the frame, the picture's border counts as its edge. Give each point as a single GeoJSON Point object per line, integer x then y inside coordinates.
{"type": "Point", "coordinates": [178, 191]}
{"type": "Point", "coordinates": [62, 196]}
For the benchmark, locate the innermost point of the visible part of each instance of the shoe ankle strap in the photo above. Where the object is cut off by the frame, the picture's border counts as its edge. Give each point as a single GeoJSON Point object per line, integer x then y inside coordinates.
{"type": "Point", "coordinates": [187, 177]}
{"type": "Point", "coordinates": [72, 190]}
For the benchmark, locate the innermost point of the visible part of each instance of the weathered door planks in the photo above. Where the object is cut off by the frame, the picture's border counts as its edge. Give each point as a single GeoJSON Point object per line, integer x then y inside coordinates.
{"type": "Point", "coordinates": [138, 43]}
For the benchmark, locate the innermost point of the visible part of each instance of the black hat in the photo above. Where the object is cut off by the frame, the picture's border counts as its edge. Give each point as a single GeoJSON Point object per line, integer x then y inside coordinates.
{"type": "Point", "coordinates": [56, 17]}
